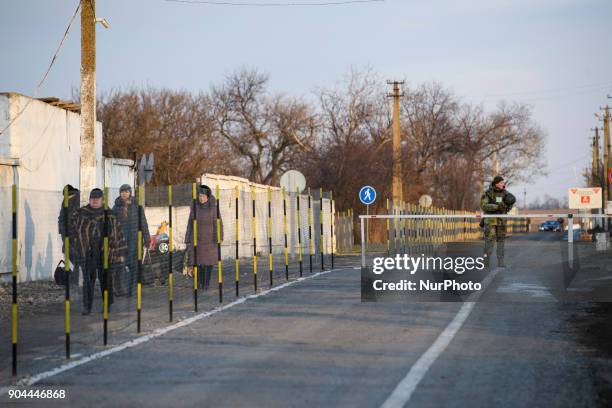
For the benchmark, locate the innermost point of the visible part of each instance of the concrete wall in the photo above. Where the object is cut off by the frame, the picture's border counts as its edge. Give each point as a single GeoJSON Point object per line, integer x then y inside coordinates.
{"type": "Point", "coordinates": [44, 145]}
{"type": "Point", "coordinates": [118, 172]}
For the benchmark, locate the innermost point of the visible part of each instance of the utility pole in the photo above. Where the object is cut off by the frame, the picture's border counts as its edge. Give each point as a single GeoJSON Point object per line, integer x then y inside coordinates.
{"type": "Point", "coordinates": [606, 155]}
{"type": "Point", "coordinates": [595, 176]}
{"type": "Point", "coordinates": [398, 194]}
{"type": "Point", "coordinates": [88, 98]}
{"type": "Point", "coordinates": [495, 164]}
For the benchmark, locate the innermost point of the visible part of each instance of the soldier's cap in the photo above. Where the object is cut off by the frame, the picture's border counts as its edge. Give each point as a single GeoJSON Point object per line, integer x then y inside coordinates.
{"type": "Point", "coordinates": [497, 179]}
{"type": "Point", "coordinates": [96, 193]}
{"type": "Point", "coordinates": [125, 187]}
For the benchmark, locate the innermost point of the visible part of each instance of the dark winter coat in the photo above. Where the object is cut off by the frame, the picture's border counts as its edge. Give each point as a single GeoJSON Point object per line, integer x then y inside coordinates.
{"type": "Point", "coordinates": [207, 233]}
{"type": "Point", "coordinates": [70, 213]}
{"type": "Point", "coordinates": [89, 229]}
{"type": "Point", "coordinates": [127, 216]}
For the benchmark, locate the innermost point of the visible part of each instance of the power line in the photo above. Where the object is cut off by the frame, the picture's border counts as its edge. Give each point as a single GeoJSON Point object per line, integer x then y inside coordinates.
{"type": "Point", "coordinates": [552, 93]}
{"type": "Point", "coordinates": [570, 162]}
{"type": "Point", "coordinates": [44, 78]}
{"type": "Point", "coordinates": [274, 4]}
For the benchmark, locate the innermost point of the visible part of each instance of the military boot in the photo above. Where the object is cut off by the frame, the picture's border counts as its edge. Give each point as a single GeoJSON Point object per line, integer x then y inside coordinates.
{"type": "Point", "coordinates": [486, 260]}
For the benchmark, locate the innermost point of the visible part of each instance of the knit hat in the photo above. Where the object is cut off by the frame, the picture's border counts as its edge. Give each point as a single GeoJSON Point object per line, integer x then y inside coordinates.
{"type": "Point", "coordinates": [71, 189]}
{"type": "Point", "coordinates": [204, 189]}
{"type": "Point", "coordinates": [96, 193]}
{"type": "Point", "coordinates": [125, 187]}
{"type": "Point", "coordinates": [497, 179]}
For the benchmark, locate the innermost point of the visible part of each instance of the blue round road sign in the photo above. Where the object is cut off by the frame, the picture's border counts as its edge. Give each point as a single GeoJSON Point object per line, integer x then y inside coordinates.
{"type": "Point", "coordinates": [367, 195]}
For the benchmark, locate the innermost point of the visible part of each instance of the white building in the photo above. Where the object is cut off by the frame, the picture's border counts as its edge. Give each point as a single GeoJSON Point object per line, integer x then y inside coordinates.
{"type": "Point", "coordinates": [40, 153]}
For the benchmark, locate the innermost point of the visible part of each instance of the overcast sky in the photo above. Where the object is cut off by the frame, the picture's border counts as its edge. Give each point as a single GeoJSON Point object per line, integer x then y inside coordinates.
{"type": "Point", "coordinates": [553, 54]}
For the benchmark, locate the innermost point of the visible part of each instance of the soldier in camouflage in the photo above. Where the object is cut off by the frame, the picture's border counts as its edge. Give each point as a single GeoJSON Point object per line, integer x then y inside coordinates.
{"type": "Point", "coordinates": [496, 200]}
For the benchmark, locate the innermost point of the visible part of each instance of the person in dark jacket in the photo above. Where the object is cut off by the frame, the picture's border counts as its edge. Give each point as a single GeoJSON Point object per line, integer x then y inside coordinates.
{"type": "Point", "coordinates": [66, 217]}
{"type": "Point", "coordinates": [126, 211]}
{"type": "Point", "coordinates": [90, 228]}
{"type": "Point", "coordinates": [206, 216]}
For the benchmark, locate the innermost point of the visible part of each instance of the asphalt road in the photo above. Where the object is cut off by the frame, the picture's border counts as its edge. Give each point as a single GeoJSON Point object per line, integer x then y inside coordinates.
{"type": "Point", "coordinates": [316, 344]}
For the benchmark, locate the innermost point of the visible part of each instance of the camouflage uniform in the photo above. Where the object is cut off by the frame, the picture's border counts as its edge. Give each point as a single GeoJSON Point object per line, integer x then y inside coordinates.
{"type": "Point", "coordinates": [492, 202]}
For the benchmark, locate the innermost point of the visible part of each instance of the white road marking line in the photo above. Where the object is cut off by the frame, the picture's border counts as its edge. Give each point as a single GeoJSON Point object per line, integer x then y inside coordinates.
{"type": "Point", "coordinates": [156, 333]}
{"type": "Point", "coordinates": [404, 390]}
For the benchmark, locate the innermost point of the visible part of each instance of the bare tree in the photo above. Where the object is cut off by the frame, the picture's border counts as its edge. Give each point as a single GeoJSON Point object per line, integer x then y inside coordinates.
{"type": "Point", "coordinates": [240, 128]}
{"type": "Point", "coordinates": [352, 146]}
{"type": "Point", "coordinates": [266, 132]}
{"type": "Point", "coordinates": [175, 125]}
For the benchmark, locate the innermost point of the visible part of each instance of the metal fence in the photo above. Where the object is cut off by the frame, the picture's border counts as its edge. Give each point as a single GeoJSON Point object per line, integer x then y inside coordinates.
{"type": "Point", "coordinates": [97, 277]}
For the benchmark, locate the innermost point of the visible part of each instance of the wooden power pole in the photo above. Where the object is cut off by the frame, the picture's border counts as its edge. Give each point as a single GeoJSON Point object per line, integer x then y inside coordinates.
{"type": "Point", "coordinates": [88, 98]}
{"type": "Point", "coordinates": [606, 156]}
{"type": "Point", "coordinates": [398, 194]}
{"type": "Point", "coordinates": [595, 176]}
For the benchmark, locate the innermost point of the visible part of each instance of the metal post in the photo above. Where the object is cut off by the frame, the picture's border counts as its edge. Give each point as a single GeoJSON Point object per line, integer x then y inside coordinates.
{"type": "Point", "coordinates": [270, 259]}
{"type": "Point", "coordinates": [170, 249]}
{"type": "Point", "coordinates": [139, 282]}
{"type": "Point", "coordinates": [105, 266]}
{"type": "Point", "coordinates": [14, 279]}
{"type": "Point", "coordinates": [368, 223]}
{"type": "Point", "coordinates": [67, 272]}
{"type": "Point", "coordinates": [570, 228]}
{"type": "Point", "coordinates": [388, 230]}
{"type": "Point", "coordinates": [254, 240]}
{"type": "Point", "coordinates": [310, 228]}
{"type": "Point", "coordinates": [321, 227]}
{"type": "Point", "coordinates": [219, 263]}
{"type": "Point", "coordinates": [363, 243]}
{"type": "Point", "coordinates": [195, 246]}
{"type": "Point", "coordinates": [299, 231]}
{"type": "Point", "coordinates": [237, 278]}
{"type": "Point", "coordinates": [285, 234]}
{"type": "Point", "coordinates": [331, 226]}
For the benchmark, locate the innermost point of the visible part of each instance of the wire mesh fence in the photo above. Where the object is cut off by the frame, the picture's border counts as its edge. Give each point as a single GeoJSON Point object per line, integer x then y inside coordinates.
{"type": "Point", "coordinates": [455, 256]}
{"type": "Point", "coordinates": [93, 270]}
{"type": "Point", "coordinates": [90, 274]}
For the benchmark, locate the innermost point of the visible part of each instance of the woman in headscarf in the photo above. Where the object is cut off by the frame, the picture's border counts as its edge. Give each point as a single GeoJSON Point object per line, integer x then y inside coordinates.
{"type": "Point", "coordinates": [206, 219]}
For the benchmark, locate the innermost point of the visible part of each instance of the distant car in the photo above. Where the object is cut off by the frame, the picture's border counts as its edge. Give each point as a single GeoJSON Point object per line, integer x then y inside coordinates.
{"type": "Point", "coordinates": [550, 226]}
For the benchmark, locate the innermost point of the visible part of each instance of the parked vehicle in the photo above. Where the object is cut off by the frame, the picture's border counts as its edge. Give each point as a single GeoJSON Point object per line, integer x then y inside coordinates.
{"type": "Point", "coordinates": [550, 226]}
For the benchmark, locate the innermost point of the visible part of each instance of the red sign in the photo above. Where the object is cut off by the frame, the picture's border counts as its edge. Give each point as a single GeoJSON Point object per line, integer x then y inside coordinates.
{"type": "Point", "coordinates": [585, 200]}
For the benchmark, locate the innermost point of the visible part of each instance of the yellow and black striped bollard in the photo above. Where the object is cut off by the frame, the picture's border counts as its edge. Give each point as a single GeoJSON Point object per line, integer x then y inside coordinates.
{"type": "Point", "coordinates": [105, 266]}
{"type": "Point", "coordinates": [321, 227]}
{"type": "Point", "coordinates": [254, 240]}
{"type": "Point", "coordinates": [195, 246]}
{"type": "Point", "coordinates": [285, 233]}
{"type": "Point", "coordinates": [299, 231]}
{"type": "Point", "coordinates": [310, 216]}
{"type": "Point", "coordinates": [140, 260]}
{"type": "Point", "coordinates": [67, 272]}
{"type": "Point", "coordinates": [14, 279]}
{"type": "Point", "coordinates": [331, 226]}
{"type": "Point", "coordinates": [237, 278]}
{"type": "Point", "coordinates": [219, 263]}
{"type": "Point", "coordinates": [270, 261]}
{"type": "Point", "coordinates": [170, 249]}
